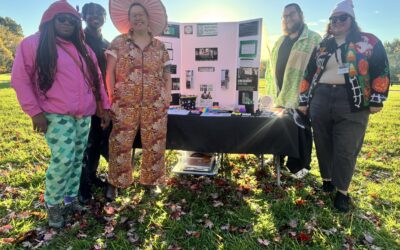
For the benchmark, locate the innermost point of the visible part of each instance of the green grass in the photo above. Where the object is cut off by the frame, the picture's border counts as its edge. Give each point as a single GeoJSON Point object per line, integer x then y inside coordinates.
{"type": "Point", "coordinates": [253, 207]}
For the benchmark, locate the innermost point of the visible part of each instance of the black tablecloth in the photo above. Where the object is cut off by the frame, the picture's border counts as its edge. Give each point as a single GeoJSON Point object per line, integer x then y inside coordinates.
{"type": "Point", "coordinates": [251, 135]}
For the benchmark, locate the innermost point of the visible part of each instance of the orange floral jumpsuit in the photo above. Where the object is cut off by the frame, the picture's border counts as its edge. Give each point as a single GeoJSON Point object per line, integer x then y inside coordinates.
{"type": "Point", "coordinates": [140, 99]}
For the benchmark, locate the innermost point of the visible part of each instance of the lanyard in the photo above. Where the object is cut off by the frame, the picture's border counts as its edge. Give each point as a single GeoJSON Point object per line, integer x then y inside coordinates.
{"type": "Point", "coordinates": [336, 57]}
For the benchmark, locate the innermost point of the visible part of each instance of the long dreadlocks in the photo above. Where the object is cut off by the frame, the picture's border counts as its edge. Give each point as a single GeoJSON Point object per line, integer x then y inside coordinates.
{"type": "Point", "coordinates": [46, 58]}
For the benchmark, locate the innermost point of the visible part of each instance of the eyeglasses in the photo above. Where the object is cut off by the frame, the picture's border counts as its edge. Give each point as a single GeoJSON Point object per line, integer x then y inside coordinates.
{"type": "Point", "coordinates": [341, 18]}
{"type": "Point", "coordinates": [64, 18]}
{"type": "Point", "coordinates": [290, 15]}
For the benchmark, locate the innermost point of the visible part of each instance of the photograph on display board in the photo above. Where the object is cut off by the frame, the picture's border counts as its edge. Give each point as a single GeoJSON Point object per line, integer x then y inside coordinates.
{"type": "Point", "coordinates": [172, 30]}
{"type": "Point", "coordinates": [248, 49]}
{"type": "Point", "coordinates": [206, 99]}
{"type": "Point", "coordinates": [248, 29]}
{"type": "Point", "coordinates": [224, 78]}
{"type": "Point", "coordinates": [207, 29]}
{"type": "Point", "coordinates": [206, 69]}
{"type": "Point", "coordinates": [189, 79]}
{"type": "Point", "coordinates": [245, 97]}
{"type": "Point", "coordinates": [173, 69]}
{"type": "Point", "coordinates": [188, 29]}
{"type": "Point", "coordinates": [247, 79]}
{"type": "Point", "coordinates": [168, 46]}
{"type": "Point", "coordinates": [206, 54]}
{"type": "Point", "coordinates": [176, 83]}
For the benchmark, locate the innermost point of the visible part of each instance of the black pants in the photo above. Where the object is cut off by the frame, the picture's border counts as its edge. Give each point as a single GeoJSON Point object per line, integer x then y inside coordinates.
{"type": "Point", "coordinates": [97, 145]}
{"type": "Point", "coordinates": [338, 133]}
{"type": "Point", "coordinates": [305, 148]}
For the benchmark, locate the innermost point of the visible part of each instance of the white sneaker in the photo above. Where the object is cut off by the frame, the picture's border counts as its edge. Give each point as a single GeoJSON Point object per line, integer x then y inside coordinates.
{"type": "Point", "coordinates": [300, 174]}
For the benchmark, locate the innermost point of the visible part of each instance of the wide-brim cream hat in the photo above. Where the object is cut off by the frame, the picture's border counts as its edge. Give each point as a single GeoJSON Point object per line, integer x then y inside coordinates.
{"type": "Point", "coordinates": [120, 17]}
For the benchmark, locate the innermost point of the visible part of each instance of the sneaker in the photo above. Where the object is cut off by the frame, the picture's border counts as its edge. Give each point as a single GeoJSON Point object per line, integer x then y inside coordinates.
{"type": "Point", "coordinates": [342, 202]}
{"type": "Point", "coordinates": [300, 174]}
{"type": "Point", "coordinates": [111, 193]}
{"type": "Point", "coordinates": [55, 216]}
{"type": "Point", "coordinates": [327, 187]}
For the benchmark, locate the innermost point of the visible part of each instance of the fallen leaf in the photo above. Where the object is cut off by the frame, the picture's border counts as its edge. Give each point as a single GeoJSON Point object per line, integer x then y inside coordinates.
{"type": "Point", "coordinates": [8, 240]}
{"type": "Point", "coordinates": [300, 202]}
{"type": "Point", "coordinates": [219, 182]}
{"type": "Point", "coordinates": [41, 197]}
{"type": "Point", "coordinates": [263, 242]}
{"type": "Point", "coordinates": [368, 237]}
{"type": "Point", "coordinates": [218, 204]}
{"type": "Point", "coordinates": [367, 173]}
{"type": "Point", "coordinates": [195, 234]}
{"type": "Point", "coordinates": [277, 239]}
{"type": "Point", "coordinates": [374, 195]}
{"type": "Point", "coordinates": [142, 215]}
{"type": "Point", "coordinates": [195, 187]}
{"type": "Point", "coordinates": [123, 219]}
{"type": "Point", "coordinates": [214, 195]}
{"type": "Point", "coordinates": [133, 238]}
{"type": "Point", "coordinates": [174, 247]}
{"type": "Point", "coordinates": [208, 224]}
{"type": "Point", "coordinates": [5, 229]}
{"type": "Point", "coordinates": [109, 210]}
{"type": "Point", "coordinates": [293, 223]}
{"type": "Point", "coordinates": [49, 235]}
{"type": "Point", "coordinates": [236, 171]}
{"type": "Point", "coordinates": [331, 231]}
{"type": "Point", "coordinates": [303, 237]}
{"type": "Point", "coordinates": [27, 244]}
{"type": "Point", "coordinates": [225, 227]}
{"type": "Point", "coordinates": [81, 235]}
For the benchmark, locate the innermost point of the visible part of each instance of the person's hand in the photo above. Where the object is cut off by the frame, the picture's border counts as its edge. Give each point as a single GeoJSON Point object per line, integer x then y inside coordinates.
{"type": "Point", "coordinates": [374, 110]}
{"type": "Point", "coordinates": [303, 109]}
{"type": "Point", "coordinates": [39, 123]}
{"type": "Point", "coordinates": [105, 120]}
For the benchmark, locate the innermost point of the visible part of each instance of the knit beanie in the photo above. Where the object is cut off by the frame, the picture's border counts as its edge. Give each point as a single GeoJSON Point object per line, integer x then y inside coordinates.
{"type": "Point", "coordinates": [345, 6]}
{"type": "Point", "coordinates": [61, 6]}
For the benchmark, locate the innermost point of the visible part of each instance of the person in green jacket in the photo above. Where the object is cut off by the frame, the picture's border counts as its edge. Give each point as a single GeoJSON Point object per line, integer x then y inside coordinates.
{"type": "Point", "coordinates": [289, 59]}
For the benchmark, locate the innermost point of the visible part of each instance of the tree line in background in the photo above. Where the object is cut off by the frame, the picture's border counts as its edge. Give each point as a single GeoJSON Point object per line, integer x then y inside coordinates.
{"type": "Point", "coordinates": [393, 51]}
{"type": "Point", "coordinates": [11, 34]}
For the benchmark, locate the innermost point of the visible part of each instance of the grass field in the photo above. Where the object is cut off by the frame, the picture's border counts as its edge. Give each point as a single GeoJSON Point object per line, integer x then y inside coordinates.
{"type": "Point", "coordinates": [240, 209]}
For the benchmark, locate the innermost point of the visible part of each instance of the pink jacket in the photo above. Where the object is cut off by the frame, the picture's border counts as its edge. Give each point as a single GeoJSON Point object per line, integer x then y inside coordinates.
{"type": "Point", "coordinates": [69, 94]}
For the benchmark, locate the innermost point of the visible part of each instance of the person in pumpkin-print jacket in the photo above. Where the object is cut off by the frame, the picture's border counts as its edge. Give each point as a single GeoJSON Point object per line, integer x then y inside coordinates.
{"type": "Point", "coordinates": [347, 78]}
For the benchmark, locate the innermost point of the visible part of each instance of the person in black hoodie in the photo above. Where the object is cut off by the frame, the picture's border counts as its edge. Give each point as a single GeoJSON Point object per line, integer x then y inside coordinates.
{"type": "Point", "coordinates": [94, 15]}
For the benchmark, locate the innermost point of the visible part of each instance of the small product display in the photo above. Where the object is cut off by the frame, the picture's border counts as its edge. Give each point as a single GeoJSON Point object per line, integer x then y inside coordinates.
{"type": "Point", "coordinates": [196, 163]}
{"type": "Point", "coordinates": [188, 102]}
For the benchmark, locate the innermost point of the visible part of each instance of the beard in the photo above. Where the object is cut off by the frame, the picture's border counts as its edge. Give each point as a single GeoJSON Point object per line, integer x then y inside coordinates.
{"type": "Point", "coordinates": [295, 28]}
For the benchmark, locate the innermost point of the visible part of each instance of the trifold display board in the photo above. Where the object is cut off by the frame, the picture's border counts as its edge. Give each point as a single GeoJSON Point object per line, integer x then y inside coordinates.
{"type": "Point", "coordinates": [217, 62]}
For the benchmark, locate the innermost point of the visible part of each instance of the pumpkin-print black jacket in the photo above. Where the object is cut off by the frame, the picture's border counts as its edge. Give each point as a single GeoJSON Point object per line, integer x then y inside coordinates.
{"type": "Point", "coordinates": [368, 80]}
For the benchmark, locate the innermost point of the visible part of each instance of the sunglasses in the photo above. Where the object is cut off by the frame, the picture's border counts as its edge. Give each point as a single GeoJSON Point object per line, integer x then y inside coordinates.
{"type": "Point", "coordinates": [71, 20]}
{"type": "Point", "coordinates": [341, 18]}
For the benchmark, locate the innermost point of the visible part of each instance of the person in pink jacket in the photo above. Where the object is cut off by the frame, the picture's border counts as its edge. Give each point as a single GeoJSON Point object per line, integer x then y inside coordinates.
{"type": "Point", "coordinates": [59, 85]}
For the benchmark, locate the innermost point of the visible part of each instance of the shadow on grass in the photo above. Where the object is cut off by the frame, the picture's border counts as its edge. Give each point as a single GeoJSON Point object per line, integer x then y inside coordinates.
{"type": "Point", "coordinates": [4, 84]}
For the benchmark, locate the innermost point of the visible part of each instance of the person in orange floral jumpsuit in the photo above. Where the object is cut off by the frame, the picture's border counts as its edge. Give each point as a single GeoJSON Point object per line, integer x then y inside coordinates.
{"type": "Point", "coordinates": [139, 83]}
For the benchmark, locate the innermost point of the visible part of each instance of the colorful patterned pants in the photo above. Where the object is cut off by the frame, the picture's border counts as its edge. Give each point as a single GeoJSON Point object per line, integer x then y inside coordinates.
{"type": "Point", "coordinates": [153, 130]}
{"type": "Point", "coordinates": [67, 139]}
